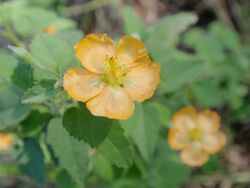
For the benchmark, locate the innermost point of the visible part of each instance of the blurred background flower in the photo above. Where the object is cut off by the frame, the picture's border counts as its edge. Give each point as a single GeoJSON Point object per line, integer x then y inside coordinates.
{"type": "Point", "coordinates": [6, 141]}
{"type": "Point", "coordinates": [196, 134]}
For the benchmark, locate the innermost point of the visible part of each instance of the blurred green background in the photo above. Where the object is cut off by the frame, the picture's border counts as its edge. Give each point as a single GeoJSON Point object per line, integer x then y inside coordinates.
{"type": "Point", "coordinates": [204, 53]}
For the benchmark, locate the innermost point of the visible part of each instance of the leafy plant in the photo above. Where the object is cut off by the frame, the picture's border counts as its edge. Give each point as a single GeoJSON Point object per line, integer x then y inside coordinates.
{"type": "Point", "coordinates": [58, 139]}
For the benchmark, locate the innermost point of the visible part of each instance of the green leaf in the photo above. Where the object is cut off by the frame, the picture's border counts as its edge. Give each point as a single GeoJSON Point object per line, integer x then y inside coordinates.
{"type": "Point", "coordinates": [22, 76]}
{"type": "Point", "coordinates": [84, 126]}
{"type": "Point", "coordinates": [209, 49]}
{"type": "Point", "coordinates": [70, 36]}
{"type": "Point", "coordinates": [40, 71]}
{"type": "Point", "coordinates": [62, 24]}
{"type": "Point", "coordinates": [8, 8]}
{"type": "Point", "coordinates": [164, 113]}
{"type": "Point", "coordinates": [166, 31]}
{"type": "Point", "coordinates": [172, 25]}
{"type": "Point", "coordinates": [8, 63]}
{"type": "Point", "coordinates": [52, 53]}
{"type": "Point", "coordinates": [235, 93]}
{"type": "Point", "coordinates": [72, 154]}
{"type": "Point", "coordinates": [31, 161]}
{"type": "Point", "coordinates": [170, 174]}
{"type": "Point", "coordinates": [103, 168]}
{"type": "Point", "coordinates": [35, 122]}
{"type": "Point", "coordinates": [144, 127]}
{"type": "Point", "coordinates": [64, 180]}
{"type": "Point", "coordinates": [209, 94]}
{"type": "Point", "coordinates": [176, 74]}
{"type": "Point", "coordinates": [116, 147]}
{"type": "Point", "coordinates": [11, 109]}
{"type": "Point", "coordinates": [229, 38]}
{"type": "Point", "coordinates": [131, 183]}
{"type": "Point", "coordinates": [28, 21]}
{"type": "Point", "coordinates": [133, 23]}
{"type": "Point", "coordinates": [212, 165]}
{"type": "Point", "coordinates": [169, 171]}
{"type": "Point", "coordinates": [218, 43]}
{"type": "Point", "coordinates": [40, 92]}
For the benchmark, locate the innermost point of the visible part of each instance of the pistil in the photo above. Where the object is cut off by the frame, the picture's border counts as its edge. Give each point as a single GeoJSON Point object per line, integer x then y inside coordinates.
{"type": "Point", "coordinates": [114, 74]}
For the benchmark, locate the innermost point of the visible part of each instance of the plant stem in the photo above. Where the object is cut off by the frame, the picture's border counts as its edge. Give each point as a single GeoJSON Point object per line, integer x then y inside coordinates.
{"type": "Point", "coordinates": [192, 96]}
{"type": "Point", "coordinates": [10, 34]}
{"type": "Point", "coordinates": [87, 7]}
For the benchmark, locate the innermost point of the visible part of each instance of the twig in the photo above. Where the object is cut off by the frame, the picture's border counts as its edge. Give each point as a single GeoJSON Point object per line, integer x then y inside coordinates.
{"type": "Point", "coordinates": [87, 7]}
{"type": "Point", "coordinates": [151, 10]}
{"type": "Point", "coordinates": [239, 177]}
{"type": "Point", "coordinates": [219, 9]}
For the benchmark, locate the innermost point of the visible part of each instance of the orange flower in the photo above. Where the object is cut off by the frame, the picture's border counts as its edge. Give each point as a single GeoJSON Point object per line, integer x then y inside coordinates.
{"type": "Point", "coordinates": [113, 76]}
{"type": "Point", "coordinates": [6, 141]}
{"type": "Point", "coordinates": [196, 134]}
{"type": "Point", "coordinates": [51, 29]}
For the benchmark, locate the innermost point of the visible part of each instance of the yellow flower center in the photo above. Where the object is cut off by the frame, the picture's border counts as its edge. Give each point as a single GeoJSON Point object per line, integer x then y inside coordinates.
{"type": "Point", "coordinates": [195, 134]}
{"type": "Point", "coordinates": [114, 74]}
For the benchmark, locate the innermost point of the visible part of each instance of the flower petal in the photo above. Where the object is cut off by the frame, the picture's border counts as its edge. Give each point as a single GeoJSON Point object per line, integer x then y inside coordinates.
{"type": "Point", "coordinates": [131, 52]}
{"type": "Point", "coordinates": [81, 84]}
{"type": "Point", "coordinates": [208, 121]}
{"type": "Point", "coordinates": [6, 140]}
{"type": "Point", "coordinates": [213, 143]}
{"type": "Point", "coordinates": [112, 102]}
{"type": "Point", "coordinates": [194, 155]}
{"type": "Point", "coordinates": [178, 139]}
{"type": "Point", "coordinates": [185, 119]}
{"type": "Point", "coordinates": [141, 81]}
{"type": "Point", "coordinates": [92, 51]}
